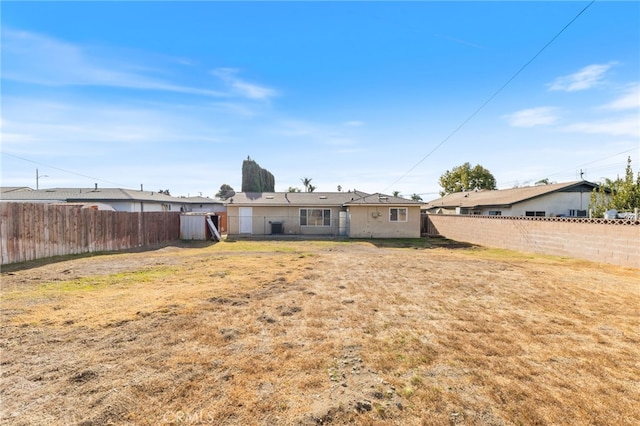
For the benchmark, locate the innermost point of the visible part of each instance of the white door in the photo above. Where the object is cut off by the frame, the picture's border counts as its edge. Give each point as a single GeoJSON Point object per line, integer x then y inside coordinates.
{"type": "Point", "coordinates": [343, 224]}
{"type": "Point", "coordinates": [246, 220]}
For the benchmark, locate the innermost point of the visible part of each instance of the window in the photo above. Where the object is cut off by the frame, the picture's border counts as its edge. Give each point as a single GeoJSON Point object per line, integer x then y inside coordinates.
{"type": "Point", "coordinates": [315, 217]}
{"type": "Point", "coordinates": [495, 213]}
{"type": "Point", "coordinates": [397, 214]}
{"type": "Point", "coordinates": [534, 214]}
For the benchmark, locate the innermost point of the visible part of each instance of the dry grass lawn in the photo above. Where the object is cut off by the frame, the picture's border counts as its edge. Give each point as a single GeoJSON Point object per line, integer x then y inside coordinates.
{"type": "Point", "coordinates": [320, 332]}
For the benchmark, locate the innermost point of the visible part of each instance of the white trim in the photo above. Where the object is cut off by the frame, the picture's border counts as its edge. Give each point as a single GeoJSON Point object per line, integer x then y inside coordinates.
{"type": "Point", "coordinates": [406, 214]}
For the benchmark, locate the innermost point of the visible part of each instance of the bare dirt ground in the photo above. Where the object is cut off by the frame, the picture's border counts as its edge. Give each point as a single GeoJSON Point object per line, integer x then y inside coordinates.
{"type": "Point", "coordinates": [320, 332]}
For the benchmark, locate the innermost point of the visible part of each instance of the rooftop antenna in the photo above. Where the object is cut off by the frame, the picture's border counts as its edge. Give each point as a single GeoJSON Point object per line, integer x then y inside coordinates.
{"type": "Point", "coordinates": [38, 176]}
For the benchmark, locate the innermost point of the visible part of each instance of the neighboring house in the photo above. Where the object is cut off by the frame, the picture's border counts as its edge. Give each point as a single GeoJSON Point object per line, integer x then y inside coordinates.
{"type": "Point", "coordinates": [353, 214]}
{"type": "Point", "coordinates": [559, 199]}
{"type": "Point", "coordinates": [202, 205]}
{"type": "Point", "coordinates": [119, 199]}
{"type": "Point", "coordinates": [8, 189]}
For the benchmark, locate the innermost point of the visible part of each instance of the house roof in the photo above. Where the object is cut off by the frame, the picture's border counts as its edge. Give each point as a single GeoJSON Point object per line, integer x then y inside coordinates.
{"type": "Point", "coordinates": [7, 189]}
{"type": "Point", "coordinates": [200, 200]}
{"type": "Point", "coordinates": [294, 198]}
{"type": "Point", "coordinates": [378, 199]}
{"type": "Point", "coordinates": [316, 199]}
{"type": "Point", "coordinates": [506, 197]}
{"type": "Point", "coordinates": [96, 194]}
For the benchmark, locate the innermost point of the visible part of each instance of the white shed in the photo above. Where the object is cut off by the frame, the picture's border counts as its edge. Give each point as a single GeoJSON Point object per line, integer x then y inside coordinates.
{"type": "Point", "coordinates": [200, 226]}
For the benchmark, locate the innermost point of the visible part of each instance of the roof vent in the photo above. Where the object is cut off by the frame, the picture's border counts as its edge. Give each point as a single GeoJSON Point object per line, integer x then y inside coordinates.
{"type": "Point", "coordinates": [323, 197]}
{"type": "Point", "coordinates": [269, 197]}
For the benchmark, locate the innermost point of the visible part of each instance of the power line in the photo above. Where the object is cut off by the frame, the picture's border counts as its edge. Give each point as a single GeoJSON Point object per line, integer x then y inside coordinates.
{"type": "Point", "coordinates": [66, 171]}
{"type": "Point", "coordinates": [485, 103]}
{"type": "Point", "coordinates": [603, 167]}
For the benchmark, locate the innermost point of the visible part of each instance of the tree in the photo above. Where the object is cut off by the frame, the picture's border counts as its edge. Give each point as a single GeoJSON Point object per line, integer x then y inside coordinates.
{"type": "Point", "coordinates": [465, 178]}
{"type": "Point", "coordinates": [339, 188]}
{"type": "Point", "coordinates": [294, 189]}
{"type": "Point", "coordinates": [311, 188]}
{"type": "Point", "coordinates": [307, 183]}
{"type": "Point", "coordinates": [628, 195]}
{"type": "Point", "coordinates": [226, 192]}
{"type": "Point", "coordinates": [396, 193]}
{"type": "Point", "coordinates": [600, 200]}
{"type": "Point", "coordinates": [164, 191]}
{"type": "Point", "coordinates": [619, 194]}
{"type": "Point", "coordinates": [416, 197]}
{"type": "Point", "coordinates": [255, 178]}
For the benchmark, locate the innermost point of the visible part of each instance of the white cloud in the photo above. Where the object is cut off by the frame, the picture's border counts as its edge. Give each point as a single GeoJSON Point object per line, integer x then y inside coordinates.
{"type": "Point", "coordinates": [629, 100]}
{"type": "Point", "coordinates": [243, 88]}
{"type": "Point", "coordinates": [340, 141]}
{"type": "Point", "coordinates": [532, 117]}
{"type": "Point", "coordinates": [624, 126]}
{"type": "Point", "coordinates": [37, 59]}
{"type": "Point", "coordinates": [57, 128]}
{"type": "Point", "coordinates": [234, 108]}
{"type": "Point", "coordinates": [587, 78]}
{"type": "Point", "coordinates": [354, 123]}
{"type": "Point", "coordinates": [297, 128]}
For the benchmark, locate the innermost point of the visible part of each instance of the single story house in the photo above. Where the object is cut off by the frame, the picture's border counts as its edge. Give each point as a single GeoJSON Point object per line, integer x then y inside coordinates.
{"type": "Point", "coordinates": [119, 199]}
{"type": "Point", "coordinates": [350, 214]}
{"type": "Point", "coordinates": [569, 199]}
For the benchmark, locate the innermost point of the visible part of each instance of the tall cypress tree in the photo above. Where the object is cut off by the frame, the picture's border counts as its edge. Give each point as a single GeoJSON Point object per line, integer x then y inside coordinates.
{"type": "Point", "coordinates": [255, 178]}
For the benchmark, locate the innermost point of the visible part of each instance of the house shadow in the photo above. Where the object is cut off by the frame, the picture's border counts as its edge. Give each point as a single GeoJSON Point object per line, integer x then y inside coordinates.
{"type": "Point", "coordinates": [423, 243]}
{"type": "Point", "coordinates": [20, 266]}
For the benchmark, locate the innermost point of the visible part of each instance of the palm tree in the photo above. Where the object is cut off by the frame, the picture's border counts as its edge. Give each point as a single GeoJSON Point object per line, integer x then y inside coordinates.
{"type": "Point", "coordinates": [307, 183]}
{"type": "Point", "coordinates": [416, 197]}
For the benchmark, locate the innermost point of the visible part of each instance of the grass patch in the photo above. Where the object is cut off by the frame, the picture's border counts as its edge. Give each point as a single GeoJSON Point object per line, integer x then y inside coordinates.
{"type": "Point", "coordinates": [96, 283]}
{"type": "Point", "coordinates": [254, 246]}
{"type": "Point", "coordinates": [309, 332]}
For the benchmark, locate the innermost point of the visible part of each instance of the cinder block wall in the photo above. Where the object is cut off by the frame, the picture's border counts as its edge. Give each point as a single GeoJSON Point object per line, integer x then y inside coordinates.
{"type": "Point", "coordinates": [614, 242]}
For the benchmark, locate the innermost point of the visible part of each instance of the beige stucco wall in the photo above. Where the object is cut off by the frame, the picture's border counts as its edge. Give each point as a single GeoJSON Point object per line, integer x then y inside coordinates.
{"type": "Point", "coordinates": [373, 222]}
{"type": "Point", "coordinates": [289, 216]}
{"type": "Point", "coordinates": [364, 222]}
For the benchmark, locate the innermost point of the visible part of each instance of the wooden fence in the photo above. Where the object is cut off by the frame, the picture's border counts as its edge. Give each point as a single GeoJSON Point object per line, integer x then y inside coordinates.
{"type": "Point", "coordinates": [32, 231]}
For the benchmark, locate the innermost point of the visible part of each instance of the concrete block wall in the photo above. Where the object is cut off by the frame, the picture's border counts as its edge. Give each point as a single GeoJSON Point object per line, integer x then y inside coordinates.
{"type": "Point", "coordinates": [614, 242]}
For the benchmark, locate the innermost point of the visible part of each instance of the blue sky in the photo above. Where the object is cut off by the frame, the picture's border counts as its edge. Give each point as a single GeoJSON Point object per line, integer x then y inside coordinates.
{"type": "Point", "coordinates": [366, 95]}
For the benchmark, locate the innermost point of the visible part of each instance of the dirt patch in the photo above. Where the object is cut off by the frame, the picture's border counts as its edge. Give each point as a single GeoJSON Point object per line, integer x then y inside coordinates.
{"type": "Point", "coordinates": [323, 332]}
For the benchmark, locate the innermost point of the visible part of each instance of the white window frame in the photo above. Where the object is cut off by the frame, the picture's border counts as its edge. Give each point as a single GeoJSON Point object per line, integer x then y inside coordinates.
{"type": "Point", "coordinates": [398, 214]}
{"type": "Point", "coordinates": [324, 216]}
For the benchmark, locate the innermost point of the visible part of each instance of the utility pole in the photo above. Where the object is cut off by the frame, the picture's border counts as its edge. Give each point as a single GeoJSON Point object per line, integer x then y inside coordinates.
{"type": "Point", "coordinates": [38, 176]}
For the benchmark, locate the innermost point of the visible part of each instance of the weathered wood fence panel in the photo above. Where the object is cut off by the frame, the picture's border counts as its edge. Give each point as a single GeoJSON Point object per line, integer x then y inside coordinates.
{"type": "Point", "coordinates": [32, 231]}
